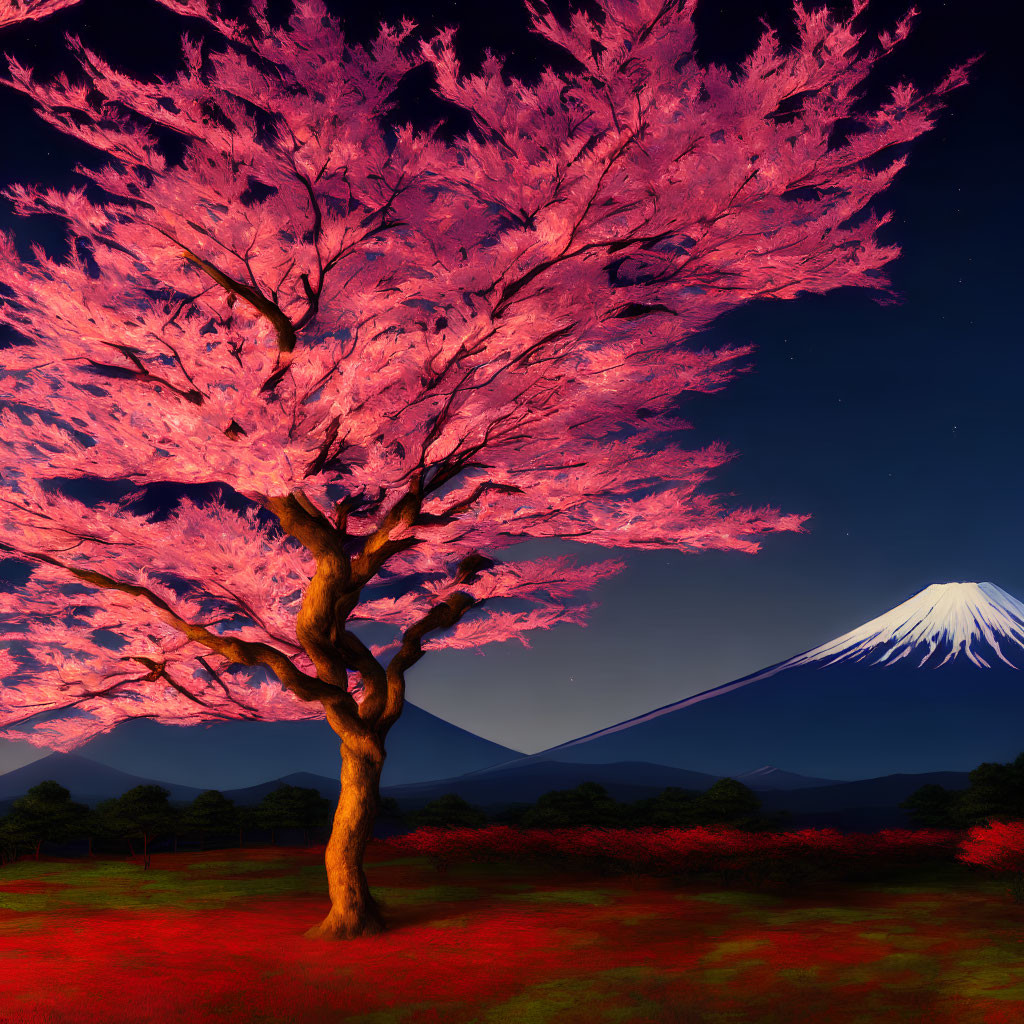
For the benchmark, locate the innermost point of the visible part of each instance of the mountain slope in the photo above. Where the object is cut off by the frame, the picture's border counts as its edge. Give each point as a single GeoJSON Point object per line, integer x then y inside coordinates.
{"type": "Point", "coordinates": [86, 780]}
{"type": "Point", "coordinates": [886, 791]}
{"type": "Point", "coordinates": [89, 782]}
{"type": "Point", "coordinates": [865, 805]}
{"type": "Point", "coordinates": [771, 778]}
{"type": "Point", "coordinates": [525, 781]}
{"type": "Point", "coordinates": [930, 685]}
{"type": "Point", "coordinates": [232, 755]}
{"type": "Point", "coordinates": [249, 796]}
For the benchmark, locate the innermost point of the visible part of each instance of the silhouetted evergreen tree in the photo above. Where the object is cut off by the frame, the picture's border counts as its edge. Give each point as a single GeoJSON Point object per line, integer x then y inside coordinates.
{"type": "Point", "coordinates": [140, 813]}
{"type": "Point", "coordinates": [727, 802]}
{"type": "Point", "coordinates": [248, 819]}
{"type": "Point", "coordinates": [934, 806]}
{"type": "Point", "coordinates": [587, 804]}
{"type": "Point", "coordinates": [13, 839]}
{"type": "Point", "coordinates": [995, 792]}
{"type": "Point", "coordinates": [388, 808]}
{"type": "Point", "coordinates": [46, 814]}
{"type": "Point", "coordinates": [448, 810]}
{"type": "Point", "coordinates": [293, 807]}
{"type": "Point", "coordinates": [211, 813]}
{"type": "Point", "coordinates": [671, 808]}
{"type": "Point", "coordinates": [511, 815]}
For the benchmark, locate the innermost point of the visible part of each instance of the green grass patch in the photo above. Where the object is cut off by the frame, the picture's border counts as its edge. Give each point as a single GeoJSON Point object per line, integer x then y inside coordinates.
{"type": "Point", "coordinates": [241, 867]}
{"type": "Point", "coordinates": [398, 862]}
{"type": "Point", "coordinates": [584, 897]}
{"type": "Point", "coordinates": [26, 902]}
{"type": "Point", "coordinates": [108, 885]}
{"type": "Point", "coordinates": [926, 971]}
{"type": "Point", "coordinates": [800, 974]}
{"type": "Point", "coordinates": [724, 975]}
{"type": "Point", "coordinates": [732, 948]}
{"type": "Point", "coordinates": [19, 926]}
{"type": "Point", "coordinates": [925, 888]}
{"type": "Point", "coordinates": [392, 1015]}
{"type": "Point", "coordinates": [994, 972]}
{"type": "Point", "coordinates": [591, 998]}
{"type": "Point", "coordinates": [395, 895]}
{"type": "Point", "coordinates": [637, 919]}
{"type": "Point", "coordinates": [927, 908]}
{"type": "Point", "coordinates": [896, 937]}
{"type": "Point", "coordinates": [729, 898]}
{"type": "Point", "coordinates": [500, 871]}
{"type": "Point", "coordinates": [933, 880]}
{"type": "Point", "coordinates": [831, 915]}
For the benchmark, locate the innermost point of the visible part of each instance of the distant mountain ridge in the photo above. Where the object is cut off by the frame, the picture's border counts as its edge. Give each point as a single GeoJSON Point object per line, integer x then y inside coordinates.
{"type": "Point", "coordinates": [524, 782]}
{"type": "Point", "coordinates": [933, 681]}
{"type": "Point", "coordinates": [233, 755]}
{"type": "Point", "coordinates": [864, 805]}
{"type": "Point", "coordinates": [861, 806]}
{"type": "Point", "coordinates": [769, 777]}
{"type": "Point", "coordinates": [87, 781]}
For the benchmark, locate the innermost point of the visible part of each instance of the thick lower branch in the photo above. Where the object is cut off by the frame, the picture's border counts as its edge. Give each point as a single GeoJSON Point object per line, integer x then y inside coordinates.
{"type": "Point", "coordinates": [300, 519]}
{"type": "Point", "coordinates": [244, 652]}
{"type": "Point", "coordinates": [442, 616]}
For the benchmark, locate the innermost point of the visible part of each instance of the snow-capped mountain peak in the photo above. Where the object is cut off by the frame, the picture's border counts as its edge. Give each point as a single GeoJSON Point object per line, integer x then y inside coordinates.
{"type": "Point", "coordinates": [946, 621]}
{"type": "Point", "coordinates": [954, 624]}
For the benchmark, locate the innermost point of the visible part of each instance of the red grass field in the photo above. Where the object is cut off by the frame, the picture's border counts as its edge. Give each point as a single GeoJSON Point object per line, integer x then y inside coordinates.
{"type": "Point", "coordinates": [217, 937]}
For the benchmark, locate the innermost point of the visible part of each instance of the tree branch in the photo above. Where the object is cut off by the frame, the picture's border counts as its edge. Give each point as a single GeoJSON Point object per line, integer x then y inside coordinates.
{"type": "Point", "coordinates": [158, 670]}
{"type": "Point", "coordinates": [270, 310]}
{"type": "Point", "coordinates": [443, 615]}
{"type": "Point", "coordinates": [244, 652]}
{"type": "Point", "coordinates": [300, 519]}
{"type": "Point", "coordinates": [449, 514]}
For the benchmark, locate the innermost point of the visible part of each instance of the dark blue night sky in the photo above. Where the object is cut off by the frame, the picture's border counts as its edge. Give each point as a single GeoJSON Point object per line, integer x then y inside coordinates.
{"type": "Point", "coordinates": [897, 427]}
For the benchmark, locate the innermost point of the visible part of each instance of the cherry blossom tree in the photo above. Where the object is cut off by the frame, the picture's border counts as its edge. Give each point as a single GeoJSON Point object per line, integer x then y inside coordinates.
{"type": "Point", "coordinates": [404, 354]}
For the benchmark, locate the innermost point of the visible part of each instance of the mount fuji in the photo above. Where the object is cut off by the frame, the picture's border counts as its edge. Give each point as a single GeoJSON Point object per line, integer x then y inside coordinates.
{"type": "Point", "coordinates": [936, 683]}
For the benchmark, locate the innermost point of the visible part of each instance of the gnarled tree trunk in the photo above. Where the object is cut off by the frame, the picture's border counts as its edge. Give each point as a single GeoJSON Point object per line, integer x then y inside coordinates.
{"type": "Point", "coordinates": [353, 911]}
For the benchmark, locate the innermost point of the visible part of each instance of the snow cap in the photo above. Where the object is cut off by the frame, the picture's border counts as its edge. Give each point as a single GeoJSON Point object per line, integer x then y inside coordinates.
{"type": "Point", "coordinates": [977, 621]}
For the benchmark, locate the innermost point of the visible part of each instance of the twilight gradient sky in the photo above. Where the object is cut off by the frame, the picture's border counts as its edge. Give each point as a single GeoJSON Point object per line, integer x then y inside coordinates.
{"type": "Point", "coordinates": [895, 427]}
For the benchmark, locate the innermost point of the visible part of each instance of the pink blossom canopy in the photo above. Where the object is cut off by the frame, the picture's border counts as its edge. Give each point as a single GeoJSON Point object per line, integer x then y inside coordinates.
{"type": "Point", "coordinates": [407, 354]}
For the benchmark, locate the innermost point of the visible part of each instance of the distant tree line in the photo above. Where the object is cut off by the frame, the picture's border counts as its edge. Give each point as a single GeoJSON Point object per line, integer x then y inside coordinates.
{"type": "Point", "coordinates": [727, 802]}
{"type": "Point", "coordinates": [995, 793]}
{"type": "Point", "coordinates": [144, 815]}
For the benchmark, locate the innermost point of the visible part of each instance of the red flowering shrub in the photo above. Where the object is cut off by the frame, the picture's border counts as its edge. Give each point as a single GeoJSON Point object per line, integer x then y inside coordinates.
{"type": "Point", "coordinates": [762, 858]}
{"type": "Point", "coordinates": [998, 846]}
